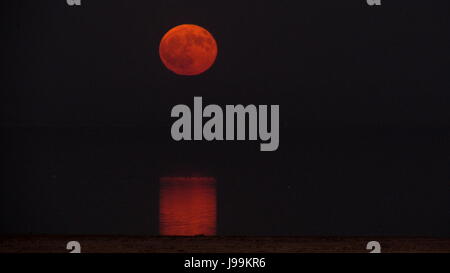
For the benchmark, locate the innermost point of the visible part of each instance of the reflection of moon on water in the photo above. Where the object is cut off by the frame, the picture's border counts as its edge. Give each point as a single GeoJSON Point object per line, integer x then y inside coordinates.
{"type": "Point", "coordinates": [188, 50]}
{"type": "Point", "coordinates": [187, 206]}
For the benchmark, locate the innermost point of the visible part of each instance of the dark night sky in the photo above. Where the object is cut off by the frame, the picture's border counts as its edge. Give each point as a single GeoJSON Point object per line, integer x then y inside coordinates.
{"type": "Point", "coordinates": [364, 115]}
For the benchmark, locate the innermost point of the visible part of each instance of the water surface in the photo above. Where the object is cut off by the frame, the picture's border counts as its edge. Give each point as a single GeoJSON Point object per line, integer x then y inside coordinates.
{"type": "Point", "coordinates": [187, 206]}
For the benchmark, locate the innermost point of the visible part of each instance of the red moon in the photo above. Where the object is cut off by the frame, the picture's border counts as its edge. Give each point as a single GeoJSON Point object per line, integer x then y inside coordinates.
{"type": "Point", "coordinates": [188, 50]}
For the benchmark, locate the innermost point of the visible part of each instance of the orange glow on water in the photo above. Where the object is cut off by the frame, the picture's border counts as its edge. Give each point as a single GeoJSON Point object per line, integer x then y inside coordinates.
{"type": "Point", "coordinates": [187, 206]}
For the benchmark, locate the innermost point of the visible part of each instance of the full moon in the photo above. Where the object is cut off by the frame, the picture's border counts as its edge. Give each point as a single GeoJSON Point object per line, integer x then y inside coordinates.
{"type": "Point", "coordinates": [188, 50]}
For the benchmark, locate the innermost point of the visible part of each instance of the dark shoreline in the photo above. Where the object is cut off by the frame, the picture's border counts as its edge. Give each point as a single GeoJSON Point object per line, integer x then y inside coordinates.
{"type": "Point", "coordinates": [204, 244]}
